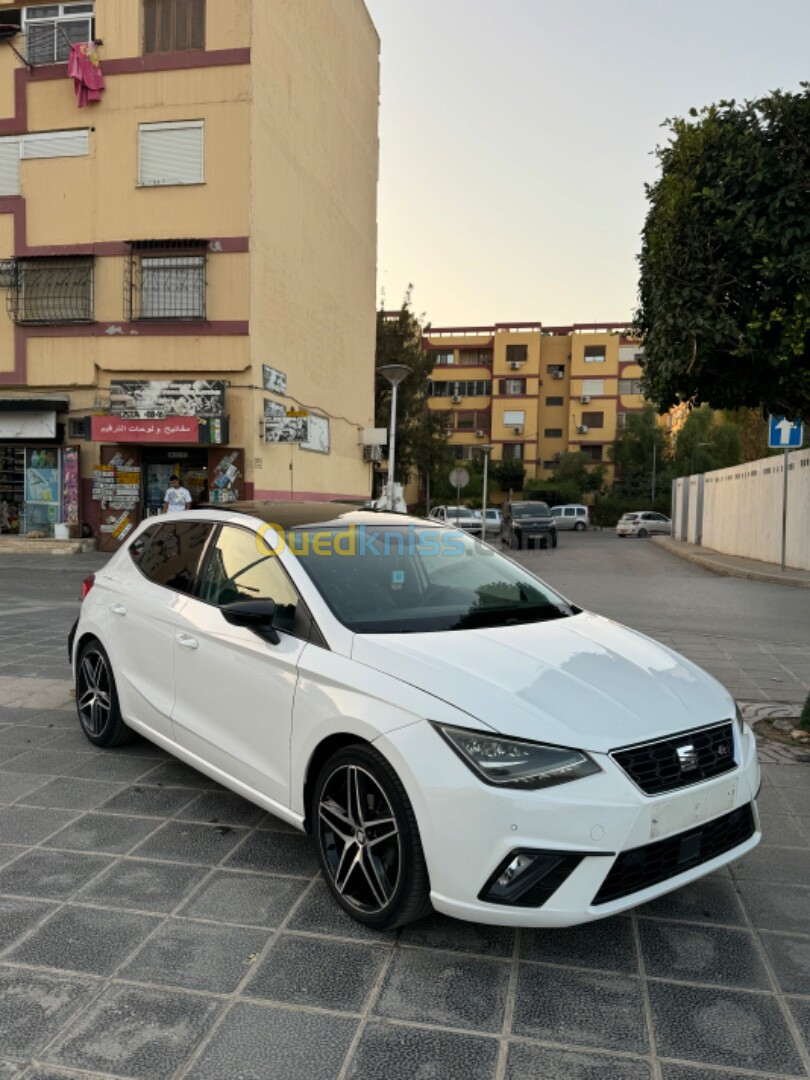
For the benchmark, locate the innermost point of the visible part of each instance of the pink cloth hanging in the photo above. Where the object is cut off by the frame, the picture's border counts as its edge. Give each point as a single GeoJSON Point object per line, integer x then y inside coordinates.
{"type": "Point", "coordinates": [84, 68]}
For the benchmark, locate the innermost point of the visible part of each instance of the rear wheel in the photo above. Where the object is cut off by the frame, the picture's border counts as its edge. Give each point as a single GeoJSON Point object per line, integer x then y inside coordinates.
{"type": "Point", "coordinates": [97, 698]}
{"type": "Point", "coordinates": [580, 526]}
{"type": "Point", "coordinates": [643, 533]}
{"type": "Point", "coordinates": [368, 840]}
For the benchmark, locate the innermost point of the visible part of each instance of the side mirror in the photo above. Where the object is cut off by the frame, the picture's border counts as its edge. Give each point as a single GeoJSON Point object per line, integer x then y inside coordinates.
{"type": "Point", "coordinates": [255, 615]}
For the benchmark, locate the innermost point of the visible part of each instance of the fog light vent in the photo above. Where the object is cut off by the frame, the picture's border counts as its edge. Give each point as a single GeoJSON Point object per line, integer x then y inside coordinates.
{"type": "Point", "coordinates": [528, 878]}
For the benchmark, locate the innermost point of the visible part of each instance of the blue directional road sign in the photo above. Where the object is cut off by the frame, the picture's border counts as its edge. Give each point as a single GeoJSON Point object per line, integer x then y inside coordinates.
{"type": "Point", "coordinates": [784, 434]}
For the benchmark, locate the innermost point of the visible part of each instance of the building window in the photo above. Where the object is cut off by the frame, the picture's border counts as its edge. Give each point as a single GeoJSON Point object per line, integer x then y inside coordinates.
{"type": "Point", "coordinates": [166, 282]}
{"type": "Point", "coordinates": [551, 464]}
{"type": "Point", "coordinates": [555, 401]}
{"type": "Point", "coordinates": [517, 354]}
{"type": "Point", "coordinates": [173, 25]}
{"type": "Point", "coordinates": [472, 357]}
{"type": "Point", "coordinates": [595, 354]}
{"type": "Point", "coordinates": [593, 387]}
{"type": "Point", "coordinates": [444, 359]}
{"type": "Point", "coordinates": [461, 387]}
{"type": "Point", "coordinates": [513, 451]}
{"type": "Point", "coordinates": [50, 290]}
{"type": "Point", "coordinates": [512, 386]}
{"type": "Point", "coordinates": [465, 421]}
{"type": "Point", "coordinates": [594, 452]}
{"type": "Point", "coordinates": [630, 386]}
{"type": "Point", "coordinates": [172, 153]}
{"type": "Point", "coordinates": [553, 433]}
{"type": "Point", "coordinates": [45, 144]}
{"type": "Point", "coordinates": [51, 29]}
{"type": "Point", "coordinates": [593, 419]}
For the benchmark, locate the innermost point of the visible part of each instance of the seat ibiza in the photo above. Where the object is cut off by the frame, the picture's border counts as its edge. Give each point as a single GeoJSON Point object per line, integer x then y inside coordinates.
{"type": "Point", "coordinates": [453, 733]}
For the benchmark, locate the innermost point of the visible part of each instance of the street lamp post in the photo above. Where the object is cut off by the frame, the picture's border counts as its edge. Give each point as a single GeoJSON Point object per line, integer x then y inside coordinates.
{"type": "Point", "coordinates": [486, 450]}
{"type": "Point", "coordinates": [394, 373]}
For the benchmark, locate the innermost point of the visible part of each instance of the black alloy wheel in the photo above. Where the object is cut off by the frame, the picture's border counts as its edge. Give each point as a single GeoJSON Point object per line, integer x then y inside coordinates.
{"type": "Point", "coordinates": [97, 698]}
{"type": "Point", "coordinates": [368, 840]}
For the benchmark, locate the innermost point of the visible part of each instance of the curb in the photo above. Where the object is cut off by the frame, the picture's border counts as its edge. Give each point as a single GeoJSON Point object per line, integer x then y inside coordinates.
{"type": "Point", "coordinates": [728, 569]}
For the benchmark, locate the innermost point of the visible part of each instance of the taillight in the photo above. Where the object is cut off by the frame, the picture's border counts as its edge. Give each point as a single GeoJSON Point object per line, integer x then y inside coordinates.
{"type": "Point", "coordinates": [88, 584]}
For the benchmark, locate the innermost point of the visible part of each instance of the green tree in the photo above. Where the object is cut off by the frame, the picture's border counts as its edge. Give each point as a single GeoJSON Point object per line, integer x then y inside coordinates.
{"type": "Point", "coordinates": [706, 442]}
{"type": "Point", "coordinates": [574, 475]}
{"type": "Point", "coordinates": [421, 438]}
{"type": "Point", "coordinates": [509, 474]}
{"type": "Point", "coordinates": [724, 292]}
{"type": "Point", "coordinates": [640, 442]}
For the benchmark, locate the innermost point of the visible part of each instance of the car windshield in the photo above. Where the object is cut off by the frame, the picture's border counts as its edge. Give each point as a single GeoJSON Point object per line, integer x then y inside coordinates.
{"type": "Point", "coordinates": [458, 511]}
{"type": "Point", "coordinates": [409, 579]}
{"type": "Point", "coordinates": [534, 509]}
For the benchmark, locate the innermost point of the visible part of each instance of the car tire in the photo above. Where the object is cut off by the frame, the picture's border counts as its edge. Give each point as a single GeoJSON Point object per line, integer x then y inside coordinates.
{"type": "Point", "coordinates": [388, 886]}
{"type": "Point", "coordinates": [515, 542]}
{"type": "Point", "coordinates": [554, 543]}
{"type": "Point", "coordinates": [580, 526]}
{"type": "Point", "coordinates": [97, 698]}
{"type": "Point", "coordinates": [643, 534]}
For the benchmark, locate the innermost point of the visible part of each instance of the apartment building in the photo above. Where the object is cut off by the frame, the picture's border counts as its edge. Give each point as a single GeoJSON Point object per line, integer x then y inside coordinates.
{"type": "Point", "coordinates": [535, 391]}
{"type": "Point", "coordinates": [187, 255]}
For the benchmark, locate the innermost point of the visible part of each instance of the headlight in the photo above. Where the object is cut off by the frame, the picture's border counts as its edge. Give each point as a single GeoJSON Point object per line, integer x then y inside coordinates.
{"type": "Point", "coordinates": [514, 763]}
{"type": "Point", "coordinates": [740, 721]}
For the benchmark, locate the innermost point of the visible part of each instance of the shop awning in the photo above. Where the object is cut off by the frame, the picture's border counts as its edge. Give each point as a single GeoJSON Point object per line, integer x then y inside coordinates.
{"type": "Point", "coordinates": [35, 403]}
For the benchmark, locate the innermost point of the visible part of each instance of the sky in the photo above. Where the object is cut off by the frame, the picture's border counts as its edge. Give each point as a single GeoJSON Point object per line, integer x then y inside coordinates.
{"type": "Point", "coordinates": [516, 137]}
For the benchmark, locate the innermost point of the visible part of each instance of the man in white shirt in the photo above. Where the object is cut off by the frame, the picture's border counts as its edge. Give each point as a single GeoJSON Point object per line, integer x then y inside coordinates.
{"type": "Point", "coordinates": [177, 498]}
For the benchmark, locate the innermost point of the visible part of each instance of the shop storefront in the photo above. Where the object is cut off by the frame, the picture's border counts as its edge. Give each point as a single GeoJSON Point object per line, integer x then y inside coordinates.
{"type": "Point", "coordinates": [39, 477]}
{"type": "Point", "coordinates": [157, 430]}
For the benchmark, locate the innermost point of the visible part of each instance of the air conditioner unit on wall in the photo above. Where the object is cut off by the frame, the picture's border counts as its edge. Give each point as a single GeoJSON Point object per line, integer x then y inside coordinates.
{"type": "Point", "coordinates": [558, 375]}
{"type": "Point", "coordinates": [582, 429]}
{"type": "Point", "coordinates": [480, 434]}
{"type": "Point", "coordinates": [585, 399]}
{"type": "Point", "coordinates": [518, 430]}
{"type": "Point", "coordinates": [515, 365]}
{"type": "Point", "coordinates": [456, 399]}
{"type": "Point", "coordinates": [372, 453]}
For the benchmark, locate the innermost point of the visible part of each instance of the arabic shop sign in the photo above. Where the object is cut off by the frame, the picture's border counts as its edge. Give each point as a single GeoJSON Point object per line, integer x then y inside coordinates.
{"type": "Point", "coordinates": [115, 429]}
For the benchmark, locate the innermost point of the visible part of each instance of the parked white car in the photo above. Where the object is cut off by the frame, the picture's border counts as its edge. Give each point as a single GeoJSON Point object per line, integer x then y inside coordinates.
{"type": "Point", "coordinates": [643, 523]}
{"type": "Point", "coordinates": [575, 516]}
{"type": "Point", "coordinates": [493, 519]}
{"type": "Point", "coordinates": [460, 517]}
{"type": "Point", "coordinates": [452, 733]}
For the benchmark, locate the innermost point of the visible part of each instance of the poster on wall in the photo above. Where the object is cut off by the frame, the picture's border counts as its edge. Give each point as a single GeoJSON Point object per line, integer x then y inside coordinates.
{"type": "Point", "coordinates": [274, 408]}
{"type": "Point", "coordinates": [156, 400]}
{"type": "Point", "coordinates": [318, 436]}
{"type": "Point", "coordinates": [225, 476]}
{"type": "Point", "coordinates": [274, 380]}
{"type": "Point", "coordinates": [70, 485]}
{"type": "Point", "coordinates": [286, 429]}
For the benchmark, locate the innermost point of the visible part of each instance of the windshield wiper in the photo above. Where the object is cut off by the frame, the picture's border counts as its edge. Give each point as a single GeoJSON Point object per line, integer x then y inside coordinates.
{"type": "Point", "coordinates": [510, 616]}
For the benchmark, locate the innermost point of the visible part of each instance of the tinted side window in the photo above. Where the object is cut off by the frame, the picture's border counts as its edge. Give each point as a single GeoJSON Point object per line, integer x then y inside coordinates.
{"type": "Point", "coordinates": [239, 569]}
{"type": "Point", "coordinates": [169, 554]}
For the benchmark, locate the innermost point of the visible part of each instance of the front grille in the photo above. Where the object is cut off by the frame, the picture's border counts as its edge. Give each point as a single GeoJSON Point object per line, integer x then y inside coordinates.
{"type": "Point", "coordinates": [645, 866]}
{"type": "Point", "coordinates": [656, 767]}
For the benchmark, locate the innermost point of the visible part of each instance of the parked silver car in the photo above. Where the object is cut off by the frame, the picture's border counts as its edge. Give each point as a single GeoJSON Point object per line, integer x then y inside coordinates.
{"type": "Point", "coordinates": [572, 516]}
{"type": "Point", "coordinates": [643, 523]}
{"type": "Point", "coordinates": [493, 519]}
{"type": "Point", "coordinates": [458, 517]}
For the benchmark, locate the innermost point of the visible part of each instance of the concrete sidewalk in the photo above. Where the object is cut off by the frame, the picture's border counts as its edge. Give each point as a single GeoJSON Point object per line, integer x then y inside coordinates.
{"type": "Point", "coordinates": [734, 565]}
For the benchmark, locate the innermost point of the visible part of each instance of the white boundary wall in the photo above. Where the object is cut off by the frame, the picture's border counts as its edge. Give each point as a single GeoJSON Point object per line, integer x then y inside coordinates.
{"type": "Point", "coordinates": [738, 511]}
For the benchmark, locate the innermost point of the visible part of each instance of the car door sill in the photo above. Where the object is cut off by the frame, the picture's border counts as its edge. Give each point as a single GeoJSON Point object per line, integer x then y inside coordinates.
{"type": "Point", "coordinates": [228, 781]}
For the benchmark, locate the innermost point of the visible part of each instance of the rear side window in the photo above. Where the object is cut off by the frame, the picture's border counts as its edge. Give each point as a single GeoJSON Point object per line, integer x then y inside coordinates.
{"type": "Point", "coordinates": [169, 554]}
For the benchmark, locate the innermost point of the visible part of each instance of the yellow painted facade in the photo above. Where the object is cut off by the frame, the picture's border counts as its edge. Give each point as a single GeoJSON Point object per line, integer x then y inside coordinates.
{"type": "Point", "coordinates": [548, 390]}
{"type": "Point", "coordinates": [285, 213]}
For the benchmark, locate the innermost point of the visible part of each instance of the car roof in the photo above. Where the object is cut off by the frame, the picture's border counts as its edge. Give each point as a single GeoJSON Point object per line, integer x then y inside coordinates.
{"type": "Point", "coordinates": [291, 515]}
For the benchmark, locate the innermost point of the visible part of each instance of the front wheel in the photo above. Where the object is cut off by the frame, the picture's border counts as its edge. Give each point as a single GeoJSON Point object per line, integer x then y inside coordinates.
{"type": "Point", "coordinates": [368, 840]}
{"type": "Point", "coordinates": [554, 542]}
{"type": "Point", "coordinates": [97, 699]}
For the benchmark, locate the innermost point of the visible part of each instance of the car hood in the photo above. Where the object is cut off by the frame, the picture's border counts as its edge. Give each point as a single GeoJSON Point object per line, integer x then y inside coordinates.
{"type": "Point", "coordinates": [581, 681]}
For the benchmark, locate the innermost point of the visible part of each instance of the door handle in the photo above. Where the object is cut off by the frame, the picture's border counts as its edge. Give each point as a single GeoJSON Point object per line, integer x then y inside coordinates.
{"type": "Point", "coordinates": [118, 609]}
{"type": "Point", "coordinates": [186, 641]}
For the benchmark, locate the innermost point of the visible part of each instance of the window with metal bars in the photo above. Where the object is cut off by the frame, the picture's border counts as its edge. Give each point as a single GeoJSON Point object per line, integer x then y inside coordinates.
{"type": "Point", "coordinates": [51, 29]}
{"type": "Point", "coordinates": [51, 290]}
{"type": "Point", "coordinates": [165, 280]}
{"type": "Point", "coordinates": [173, 25]}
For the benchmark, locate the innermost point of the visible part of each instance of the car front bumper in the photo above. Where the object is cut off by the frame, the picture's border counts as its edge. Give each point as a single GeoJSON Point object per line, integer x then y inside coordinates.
{"type": "Point", "coordinates": [469, 829]}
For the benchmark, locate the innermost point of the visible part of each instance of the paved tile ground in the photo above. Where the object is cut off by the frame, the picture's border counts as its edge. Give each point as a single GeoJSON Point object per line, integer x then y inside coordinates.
{"type": "Point", "coordinates": [149, 929]}
{"type": "Point", "coordinates": [153, 925]}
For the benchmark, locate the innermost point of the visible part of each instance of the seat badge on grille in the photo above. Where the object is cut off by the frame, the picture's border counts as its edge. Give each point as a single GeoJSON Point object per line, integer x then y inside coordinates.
{"type": "Point", "coordinates": [687, 757]}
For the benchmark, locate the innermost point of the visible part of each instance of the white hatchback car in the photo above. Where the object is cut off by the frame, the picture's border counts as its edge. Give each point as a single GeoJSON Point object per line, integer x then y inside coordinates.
{"type": "Point", "coordinates": [452, 732]}
{"type": "Point", "coordinates": [644, 523]}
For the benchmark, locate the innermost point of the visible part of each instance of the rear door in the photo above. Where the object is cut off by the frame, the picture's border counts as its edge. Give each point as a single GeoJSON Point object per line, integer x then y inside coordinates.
{"type": "Point", "coordinates": [145, 615]}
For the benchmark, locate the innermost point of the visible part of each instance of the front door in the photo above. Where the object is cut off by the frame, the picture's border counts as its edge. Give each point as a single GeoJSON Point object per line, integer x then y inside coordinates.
{"type": "Point", "coordinates": [234, 690]}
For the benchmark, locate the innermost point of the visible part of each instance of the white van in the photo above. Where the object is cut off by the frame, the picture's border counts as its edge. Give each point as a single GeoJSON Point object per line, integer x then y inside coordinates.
{"type": "Point", "coordinates": [572, 516]}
